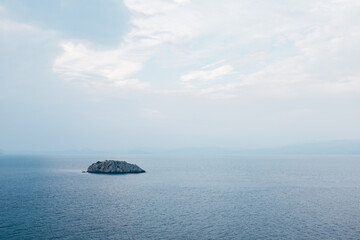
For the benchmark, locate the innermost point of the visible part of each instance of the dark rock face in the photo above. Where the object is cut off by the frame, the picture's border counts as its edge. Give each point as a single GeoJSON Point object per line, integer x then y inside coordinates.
{"type": "Point", "coordinates": [114, 167]}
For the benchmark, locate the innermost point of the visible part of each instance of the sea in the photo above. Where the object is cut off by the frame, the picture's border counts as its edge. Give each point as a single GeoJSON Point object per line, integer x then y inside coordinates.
{"type": "Point", "coordinates": [181, 197]}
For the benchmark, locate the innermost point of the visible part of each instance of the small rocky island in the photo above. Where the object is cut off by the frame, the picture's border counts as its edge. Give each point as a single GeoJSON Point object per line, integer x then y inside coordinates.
{"type": "Point", "coordinates": [114, 167]}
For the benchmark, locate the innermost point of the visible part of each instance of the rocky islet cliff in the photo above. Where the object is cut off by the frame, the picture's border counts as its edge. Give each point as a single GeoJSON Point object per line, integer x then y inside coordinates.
{"type": "Point", "coordinates": [114, 167]}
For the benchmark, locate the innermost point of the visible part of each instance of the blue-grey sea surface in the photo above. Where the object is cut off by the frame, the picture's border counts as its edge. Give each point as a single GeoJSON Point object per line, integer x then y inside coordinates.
{"type": "Point", "coordinates": [181, 197]}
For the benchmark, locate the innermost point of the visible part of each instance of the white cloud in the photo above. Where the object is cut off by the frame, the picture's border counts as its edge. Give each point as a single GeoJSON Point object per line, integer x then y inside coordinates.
{"type": "Point", "coordinates": [271, 48]}
{"type": "Point", "coordinates": [196, 77]}
{"type": "Point", "coordinates": [210, 65]}
{"type": "Point", "coordinates": [97, 67]}
{"type": "Point", "coordinates": [154, 23]}
{"type": "Point", "coordinates": [325, 63]}
{"type": "Point", "coordinates": [181, 1]}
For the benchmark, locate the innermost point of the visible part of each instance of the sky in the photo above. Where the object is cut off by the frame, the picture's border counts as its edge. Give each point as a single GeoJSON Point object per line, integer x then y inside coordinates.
{"type": "Point", "coordinates": [104, 75]}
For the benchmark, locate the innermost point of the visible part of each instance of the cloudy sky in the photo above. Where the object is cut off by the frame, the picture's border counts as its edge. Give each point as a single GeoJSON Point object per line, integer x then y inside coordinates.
{"type": "Point", "coordinates": [119, 75]}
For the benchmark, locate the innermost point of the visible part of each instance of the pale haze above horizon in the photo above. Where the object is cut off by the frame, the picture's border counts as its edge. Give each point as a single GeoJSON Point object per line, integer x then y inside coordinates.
{"type": "Point", "coordinates": [165, 74]}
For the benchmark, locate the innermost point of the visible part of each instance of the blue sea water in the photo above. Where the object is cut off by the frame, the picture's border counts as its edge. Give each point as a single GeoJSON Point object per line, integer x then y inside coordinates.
{"type": "Point", "coordinates": [181, 197]}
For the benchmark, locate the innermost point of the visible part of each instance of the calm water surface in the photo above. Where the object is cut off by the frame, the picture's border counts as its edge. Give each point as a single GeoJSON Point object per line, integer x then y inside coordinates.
{"type": "Point", "coordinates": [182, 197]}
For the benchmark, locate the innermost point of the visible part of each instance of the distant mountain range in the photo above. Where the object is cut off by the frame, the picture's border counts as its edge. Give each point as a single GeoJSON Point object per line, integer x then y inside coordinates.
{"type": "Point", "coordinates": [329, 147]}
